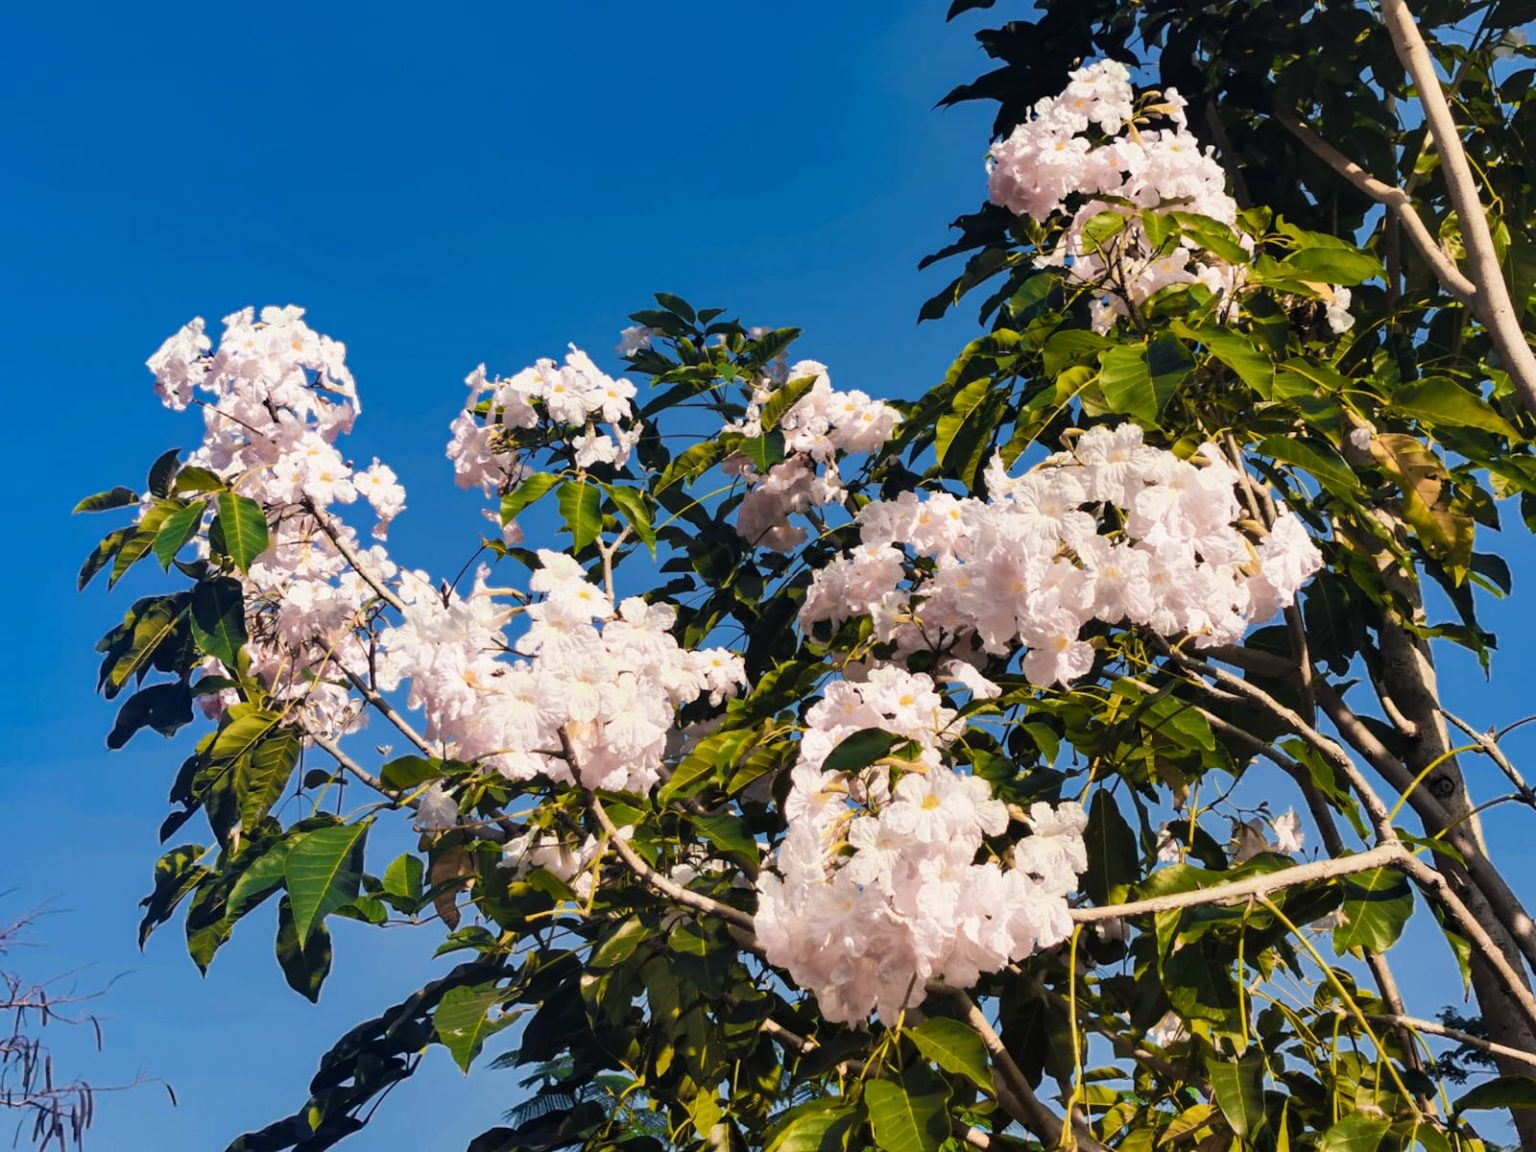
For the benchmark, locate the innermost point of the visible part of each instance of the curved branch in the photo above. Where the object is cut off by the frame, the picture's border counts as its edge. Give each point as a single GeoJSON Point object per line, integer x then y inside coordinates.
{"type": "Point", "coordinates": [1492, 301]}
{"type": "Point", "coordinates": [1396, 201]}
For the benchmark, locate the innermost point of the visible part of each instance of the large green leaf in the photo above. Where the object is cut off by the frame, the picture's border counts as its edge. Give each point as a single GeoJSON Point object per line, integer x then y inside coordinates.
{"type": "Point", "coordinates": [1238, 1086]}
{"type": "Point", "coordinates": [1316, 457]}
{"type": "Point", "coordinates": [245, 730]}
{"type": "Point", "coordinates": [954, 1047]}
{"type": "Point", "coordinates": [242, 527]}
{"type": "Point", "coordinates": [176, 530]}
{"type": "Point", "coordinates": [1332, 265]}
{"type": "Point", "coordinates": [1441, 403]}
{"type": "Point", "coordinates": [861, 749]}
{"type": "Point", "coordinates": [1500, 1092]}
{"type": "Point", "coordinates": [323, 871]}
{"type": "Point", "coordinates": [631, 506]}
{"type": "Point", "coordinates": [262, 776]}
{"type": "Point", "coordinates": [1114, 864]}
{"type": "Point", "coordinates": [305, 965]}
{"type": "Point", "coordinates": [911, 1116]}
{"type": "Point", "coordinates": [1139, 380]}
{"type": "Point", "coordinates": [463, 1020]}
{"type": "Point", "coordinates": [218, 619]}
{"type": "Point", "coordinates": [118, 497]}
{"type": "Point", "coordinates": [1355, 1133]}
{"type": "Point", "coordinates": [1377, 905]}
{"type": "Point", "coordinates": [816, 1126]}
{"type": "Point", "coordinates": [530, 490]}
{"type": "Point", "coordinates": [580, 506]}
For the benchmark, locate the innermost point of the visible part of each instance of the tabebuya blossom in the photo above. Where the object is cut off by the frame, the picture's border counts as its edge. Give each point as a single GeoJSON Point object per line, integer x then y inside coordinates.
{"type": "Point", "coordinates": [278, 396]}
{"type": "Point", "coordinates": [881, 882]}
{"type": "Point", "coordinates": [1115, 531]}
{"type": "Point", "coordinates": [821, 425]}
{"type": "Point", "coordinates": [1094, 149]}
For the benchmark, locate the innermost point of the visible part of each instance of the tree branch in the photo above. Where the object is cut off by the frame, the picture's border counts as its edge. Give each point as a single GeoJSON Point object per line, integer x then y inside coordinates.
{"type": "Point", "coordinates": [1396, 201]}
{"type": "Point", "coordinates": [1381, 856]}
{"type": "Point", "coordinates": [1492, 300]}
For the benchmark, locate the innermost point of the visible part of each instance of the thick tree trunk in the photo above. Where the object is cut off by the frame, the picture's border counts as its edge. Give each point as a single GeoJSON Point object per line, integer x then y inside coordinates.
{"type": "Point", "coordinates": [1407, 679]}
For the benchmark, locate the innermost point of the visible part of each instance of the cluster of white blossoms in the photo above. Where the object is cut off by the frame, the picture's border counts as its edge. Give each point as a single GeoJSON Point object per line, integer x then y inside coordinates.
{"type": "Point", "coordinates": [1083, 146]}
{"type": "Point", "coordinates": [876, 889]}
{"type": "Point", "coordinates": [591, 410]}
{"type": "Point", "coordinates": [611, 680]}
{"type": "Point", "coordinates": [278, 396]}
{"type": "Point", "coordinates": [1114, 531]}
{"type": "Point", "coordinates": [819, 426]}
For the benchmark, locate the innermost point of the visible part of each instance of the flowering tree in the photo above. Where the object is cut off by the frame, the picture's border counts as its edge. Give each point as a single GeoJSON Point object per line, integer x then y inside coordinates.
{"type": "Point", "coordinates": [1054, 759]}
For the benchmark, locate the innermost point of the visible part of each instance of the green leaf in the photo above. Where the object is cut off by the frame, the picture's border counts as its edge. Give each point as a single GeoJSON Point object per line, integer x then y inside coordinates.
{"type": "Point", "coordinates": [305, 965]}
{"type": "Point", "coordinates": [323, 871]}
{"type": "Point", "coordinates": [1238, 1086]}
{"type": "Point", "coordinates": [1500, 1092]}
{"type": "Point", "coordinates": [631, 505]}
{"type": "Point", "coordinates": [620, 944]}
{"type": "Point", "coordinates": [242, 733]}
{"type": "Point", "coordinates": [1139, 380]}
{"type": "Point", "coordinates": [1318, 458]}
{"type": "Point", "coordinates": [162, 472]}
{"type": "Point", "coordinates": [463, 1020]}
{"type": "Point", "coordinates": [763, 451]}
{"type": "Point", "coordinates": [261, 777]}
{"type": "Point", "coordinates": [118, 497]}
{"type": "Point", "coordinates": [905, 1120]}
{"type": "Point", "coordinates": [1377, 905]}
{"type": "Point", "coordinates": [1212, 235]}
{"type": "Point", "coordinates": [243, 526]}
{"type": "Point", "coordinates": [218, 619]}
{"type": "Point", "coordinates": [1438, 402]}
{"type": "Point", "coordinates": [858, 751]}
{"type": "Point", "coordinates": [104, 551]}
{"type": "Point", "coordinates": [1332, 265]}
{"type": "Point", "coordinates": [179, 527]}
{"type": "Point", "coordinates": [1250, 364]}
{"type": "Point", "coordinates": [1114, 864]}
{"type": "Point", "coordinates": [1355, 1133]}
{"type": "Point", "coordinates": [966, 403]}
{"type": "Point", "coordinates": [195, 479]}
{"type": "Point", "coordinates": [407, 772]}
{"type": "Point", "coordinates": [954, 1047]}
{"type": "Point", "coordinates": [816, 1126]}
{"type": "Point", "coordinates": [403, 877]}
{"type": "Point", "coordinates": [526, 493]}
{"type": "Point", "coordinates": [580, 505]}
{"type": "Point", "coordinates": [727, 833]}
{"type": "Point", "coordinates": [260, 879]}
{"type": "Point", "coordinates": [782, 400]}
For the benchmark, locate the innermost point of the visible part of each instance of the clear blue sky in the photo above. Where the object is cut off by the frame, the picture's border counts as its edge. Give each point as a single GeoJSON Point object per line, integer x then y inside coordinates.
{"type": "Point", "coordinates": [439, 185]}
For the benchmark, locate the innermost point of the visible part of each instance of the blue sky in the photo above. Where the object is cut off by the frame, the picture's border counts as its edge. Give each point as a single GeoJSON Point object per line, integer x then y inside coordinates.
{"type": "Point", "coordinates": [439, 185]}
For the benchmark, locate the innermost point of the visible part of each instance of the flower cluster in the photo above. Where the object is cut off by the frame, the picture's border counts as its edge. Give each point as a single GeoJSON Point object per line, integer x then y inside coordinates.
{"type": "Point", "coordinates": [819, 426]}
{"type": "Point", "coordinates": [575, 398]}
{"type": "Point", "coordinates": [1082, 152]}
{"type": "Point", "coordinates": [1114, 531]}
{"type": "Point", "coordinates": [610, 681]}
{"type": "Point", "coordinates": [877, 889]}
{"type": "Point", "coordinates": [279, 395]}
